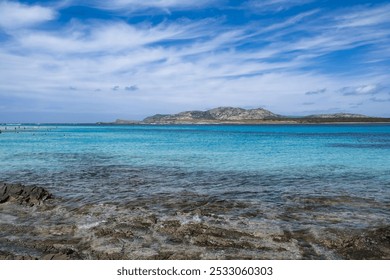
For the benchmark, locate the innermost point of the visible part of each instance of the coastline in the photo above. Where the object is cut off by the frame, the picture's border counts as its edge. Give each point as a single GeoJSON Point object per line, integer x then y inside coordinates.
{"type": "Point", "coordinates": [258, 122]}
{"type": "Point", "coordinates": [194, 230]}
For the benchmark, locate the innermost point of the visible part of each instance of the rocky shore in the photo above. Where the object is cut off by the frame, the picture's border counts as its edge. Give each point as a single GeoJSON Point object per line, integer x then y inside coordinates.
{"type": "Point", "coordinates": [25, 195]}
{"type": "Point", "coordinates": [34, 225]}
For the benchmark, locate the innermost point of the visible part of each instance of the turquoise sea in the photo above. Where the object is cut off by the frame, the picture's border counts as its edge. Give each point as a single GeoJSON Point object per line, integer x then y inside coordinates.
{"type": "Point", "coordinates": [264, 180]}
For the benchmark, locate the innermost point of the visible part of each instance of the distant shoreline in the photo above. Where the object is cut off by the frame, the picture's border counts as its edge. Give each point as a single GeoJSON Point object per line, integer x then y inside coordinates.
{"type": "Point", "coordinates": [328, 122]}
{"type": "Point", "coordinates": [228, 116]}
{"type": "Point", "coordinates": [260, 122]}
{"type": "Point", "coordinates": [236, 115]}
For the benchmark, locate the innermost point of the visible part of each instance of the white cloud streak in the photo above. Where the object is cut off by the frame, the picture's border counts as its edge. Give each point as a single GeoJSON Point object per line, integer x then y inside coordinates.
{"type": "Point", "coordinates": [179, 65]}
{"type": "Point", "coordinates": [365, 16]}
{"type": "Point", "coordinates": [107, 37]}
{"type": "Point", "coordinates": [274, 5]}
{"type": "Point", "coordinates": [15, 15]}
{"type": "Point", "coordinates": [133, 6]}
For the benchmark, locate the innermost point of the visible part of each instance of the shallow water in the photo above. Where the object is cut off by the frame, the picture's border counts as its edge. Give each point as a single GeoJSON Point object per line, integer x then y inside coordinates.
{"type": "Point", "coordinates": [149, 191]}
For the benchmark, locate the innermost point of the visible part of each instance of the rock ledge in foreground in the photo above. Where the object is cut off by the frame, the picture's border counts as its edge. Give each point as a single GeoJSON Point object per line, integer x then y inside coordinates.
{"type": "Point", "coordinates": [24, 195]}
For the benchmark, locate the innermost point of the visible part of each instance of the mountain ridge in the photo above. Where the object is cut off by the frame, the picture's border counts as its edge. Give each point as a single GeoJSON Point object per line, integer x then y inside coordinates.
{"type": "Point", "coordinates": [216, 114]}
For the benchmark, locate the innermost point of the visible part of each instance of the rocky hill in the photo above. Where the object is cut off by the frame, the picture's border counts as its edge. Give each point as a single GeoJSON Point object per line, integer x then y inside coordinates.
{"type": "Point", "coordinates": [220, 114]}
{"type": "Point", "coordinates": [233, 115]}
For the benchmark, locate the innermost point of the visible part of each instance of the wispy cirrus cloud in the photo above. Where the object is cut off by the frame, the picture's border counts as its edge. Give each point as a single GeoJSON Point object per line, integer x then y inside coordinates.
{"type": "Point", "coordinates": [182, 63]}
{"type": "Point", "coordinates": [112, 37]}
{"type": "Point", "coordinates": [273, 5]}
{"type": "Point", "coordinates": [365, 15]}
{"type": "Point", "coordinates": [132, 6]}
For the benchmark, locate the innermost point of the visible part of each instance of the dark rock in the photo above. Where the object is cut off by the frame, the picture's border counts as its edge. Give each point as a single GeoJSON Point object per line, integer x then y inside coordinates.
{"type": "Point", "coordinates": [4, 198]}
{"type": "Point", "coordinates": [363, 244]}
{"type": "Point", "coordinates": [371, 244]}
{"type": "Point", "coordinates": [10, 256]}
{"type": "Point", "coordinates": [25, 195]}
{"type": "Point", "coordinates": [58, 256]}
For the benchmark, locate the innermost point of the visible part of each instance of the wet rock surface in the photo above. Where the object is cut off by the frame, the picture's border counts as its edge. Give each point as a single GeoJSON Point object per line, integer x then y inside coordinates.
{"type": "Point", "coordinates": [26, 195]}
{"type": "Point", "coordinates": [185, 226]}
{"type": "Point", "coordinates": [370, 244]}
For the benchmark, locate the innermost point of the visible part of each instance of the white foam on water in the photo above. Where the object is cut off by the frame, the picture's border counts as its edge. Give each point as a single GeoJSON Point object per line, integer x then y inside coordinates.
{"type": "Point", "coordinates": [197, 219]}
{"type": "Point", "coordinates": [88, 226]}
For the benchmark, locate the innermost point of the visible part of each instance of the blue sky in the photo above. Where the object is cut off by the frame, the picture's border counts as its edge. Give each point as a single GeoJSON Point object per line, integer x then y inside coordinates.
{"type": "Point", "coordinates": [88, 61]}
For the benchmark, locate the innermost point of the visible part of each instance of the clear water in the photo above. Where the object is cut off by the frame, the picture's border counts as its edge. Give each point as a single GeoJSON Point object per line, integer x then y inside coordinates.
{"type": "Point", "coordinates": [248, 162]}
{"type": "Point", "coordinates": [294, 176]}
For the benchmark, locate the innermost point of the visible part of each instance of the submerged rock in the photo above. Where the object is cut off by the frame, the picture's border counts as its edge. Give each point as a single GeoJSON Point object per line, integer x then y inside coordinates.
{"type": "Point", "coordinates": [188, 226]}
{"type": "Point", "coordinates": [370, 244]}
{"type": "Point", "coordinates": [25, 195]}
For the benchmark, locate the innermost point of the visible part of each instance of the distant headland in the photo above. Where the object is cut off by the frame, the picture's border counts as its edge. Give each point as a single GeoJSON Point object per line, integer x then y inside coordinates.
{"type": "Point", "coordinates": [234, 115]}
